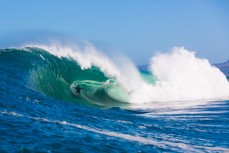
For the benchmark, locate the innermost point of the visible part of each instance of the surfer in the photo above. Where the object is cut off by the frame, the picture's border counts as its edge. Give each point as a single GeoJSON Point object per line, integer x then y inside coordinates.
{"type": "Point", "coordinates": [78, 90]}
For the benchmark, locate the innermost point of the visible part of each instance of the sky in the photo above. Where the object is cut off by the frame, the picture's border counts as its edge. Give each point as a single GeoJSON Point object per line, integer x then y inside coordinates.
{"type": "Point", "coordinates": [137, 28]}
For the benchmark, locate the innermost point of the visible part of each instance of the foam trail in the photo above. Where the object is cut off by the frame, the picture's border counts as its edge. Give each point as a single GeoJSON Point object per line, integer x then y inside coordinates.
{"type": "Point", "coordinates": [135, 138]}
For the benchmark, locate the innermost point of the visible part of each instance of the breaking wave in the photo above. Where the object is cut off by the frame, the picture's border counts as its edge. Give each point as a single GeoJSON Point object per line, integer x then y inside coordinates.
{"type": "Point", "coordinates": [56, 70]}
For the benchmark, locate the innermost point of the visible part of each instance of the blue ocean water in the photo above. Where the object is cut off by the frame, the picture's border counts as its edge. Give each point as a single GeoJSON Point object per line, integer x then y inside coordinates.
{"type": "Point", "coordinates": [40, 113]}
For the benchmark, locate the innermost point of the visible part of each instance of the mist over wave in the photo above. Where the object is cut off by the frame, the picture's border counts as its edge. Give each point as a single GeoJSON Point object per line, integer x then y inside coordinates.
{"type": "Point", "coordinates": [183, 76]}
{"type": "Point", "coordinates": [180, 75]}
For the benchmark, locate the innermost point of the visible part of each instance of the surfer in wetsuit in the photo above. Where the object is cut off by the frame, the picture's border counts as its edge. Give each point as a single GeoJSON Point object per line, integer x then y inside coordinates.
{"type": "Point", "coordinates": [78, 90]}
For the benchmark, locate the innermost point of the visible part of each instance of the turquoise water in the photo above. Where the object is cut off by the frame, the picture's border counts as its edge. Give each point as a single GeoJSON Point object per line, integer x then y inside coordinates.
{"type": "Point", "coordinates": [39, 111]}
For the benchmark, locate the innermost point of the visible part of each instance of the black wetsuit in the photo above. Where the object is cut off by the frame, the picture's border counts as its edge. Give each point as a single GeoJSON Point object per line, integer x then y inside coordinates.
{"type": "Point", "coordinates": [78, 90]}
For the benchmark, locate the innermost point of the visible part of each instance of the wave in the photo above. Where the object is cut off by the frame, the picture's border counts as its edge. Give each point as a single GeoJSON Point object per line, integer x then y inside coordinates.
{"type": "Point", "coordinates": [56, 70]}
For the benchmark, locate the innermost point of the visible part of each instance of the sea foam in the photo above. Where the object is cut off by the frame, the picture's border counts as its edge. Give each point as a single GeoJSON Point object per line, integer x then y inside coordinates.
{"type": "Point", "coordinates": [182, 76]}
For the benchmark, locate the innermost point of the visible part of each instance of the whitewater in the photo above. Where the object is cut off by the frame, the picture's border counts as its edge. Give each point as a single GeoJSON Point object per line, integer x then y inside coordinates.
{"type": "Point", "coordinates": [177, 103]}
{"type": "Point", "coordinates": [172, 75]}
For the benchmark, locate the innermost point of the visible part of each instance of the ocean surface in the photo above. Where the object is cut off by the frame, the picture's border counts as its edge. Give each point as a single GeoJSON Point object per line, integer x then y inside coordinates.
{"type": "Point", "coordinates": [180, 104]}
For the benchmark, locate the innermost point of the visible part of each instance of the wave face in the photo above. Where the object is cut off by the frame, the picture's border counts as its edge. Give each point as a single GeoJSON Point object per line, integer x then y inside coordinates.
{"type": "Point", "coordinates": [176, 76]}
